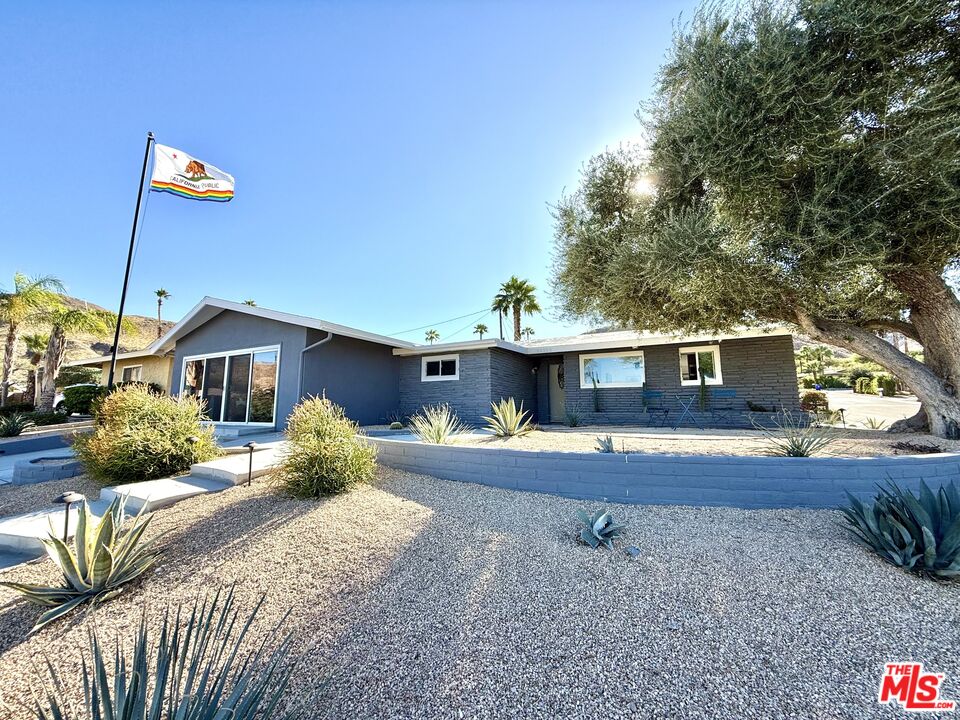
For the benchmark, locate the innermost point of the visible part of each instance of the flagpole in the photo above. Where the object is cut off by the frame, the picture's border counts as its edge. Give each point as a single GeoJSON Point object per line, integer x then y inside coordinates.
{"type": "Point", "coordinates": [126, 274]}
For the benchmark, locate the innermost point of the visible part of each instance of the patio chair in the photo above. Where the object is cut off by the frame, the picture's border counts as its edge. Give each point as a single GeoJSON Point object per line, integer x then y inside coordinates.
{"type": "Point", "coordinates": [722, 404]}
{"type": "Point", "coordinates": [655, 409]}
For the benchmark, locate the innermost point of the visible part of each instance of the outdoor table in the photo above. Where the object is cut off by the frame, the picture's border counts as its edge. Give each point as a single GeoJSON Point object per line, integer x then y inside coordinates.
{"type": "Point", "coordinates": [687, 404]}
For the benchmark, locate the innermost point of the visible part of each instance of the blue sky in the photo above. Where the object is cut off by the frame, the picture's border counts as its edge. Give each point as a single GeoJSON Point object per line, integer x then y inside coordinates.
{"type": "Point", "coordinates": [394, 161]}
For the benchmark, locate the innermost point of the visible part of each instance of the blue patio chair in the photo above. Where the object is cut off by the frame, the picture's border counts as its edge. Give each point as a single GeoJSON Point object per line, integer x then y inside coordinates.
{"type": "Point", "coordinates": [654, 407]}
{"type": "Point", "coordinates": [722, 404]}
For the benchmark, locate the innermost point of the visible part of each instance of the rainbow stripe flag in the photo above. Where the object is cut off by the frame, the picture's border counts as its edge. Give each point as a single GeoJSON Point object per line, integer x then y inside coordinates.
{"type": "Point", "coordinates": [177, 173]}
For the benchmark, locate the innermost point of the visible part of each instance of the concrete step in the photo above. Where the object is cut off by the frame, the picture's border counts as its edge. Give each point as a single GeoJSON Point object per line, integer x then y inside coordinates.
{"type": "Point", "coordinates": [10, 560]}
{"type": "Point", "coordinates": [155, 494]}
{"type": "Point", "coordinates": [235, 431]}
{"type": "Point", "coordinates": [21, 534]}
{"type": "Point", "coordinates": [234, 468]}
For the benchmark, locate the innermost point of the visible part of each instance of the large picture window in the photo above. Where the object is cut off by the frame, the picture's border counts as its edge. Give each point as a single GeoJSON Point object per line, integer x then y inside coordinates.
{"type": "Point", "coordinates": [697, 362]}
{"type": "Point", "coordinates": [238, 387]}
{"type": "Point", "coordinates": [612, 370]}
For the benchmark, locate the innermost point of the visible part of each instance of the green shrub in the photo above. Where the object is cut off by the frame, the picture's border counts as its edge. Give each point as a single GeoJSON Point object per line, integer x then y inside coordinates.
{"type": "Point", "coordinates": [793, 436]}
{"type": "Point", "coordinates": [437, 424]}
{"type": "Point", "coordinates": [324, 455]}
{"type": "Point", "coordinates": [14, 408]}
{"type": "Point", "coordinates": [573, 417]}
{"type": "Point", "coordinates": [858, 372]}
{"type": "Point", "coordinates": [80, 399]}
{"type": "Point", "coordinates": [807, 382]}
{"type": "Point", "coordinates": [155, 388]}
{"type": "Point", "coordinates": [834, 381]}
{"type": "Point", "coordinates": [865, 386]}
{"type": "Point", "coordinates": [396, 426]}
{"type": "Point", "coordinates": [814, 401]}
{"type": "Point", "coordinates": [46, 418]}
{"type": "Point", "coordinates": [71, 375]}
{"type": "Point", "coordinates": [507, 420]}
{"type": "Point", "coordinates": [600, 529]}
{"type": "Point", "coordinates": [203, 669]}
{"type": "Point", "coordinates": [888, 384]}
{"type": "Point", "coordinates": [13, 425]}
{"type": "Point", "coordinates": [918, 533]}
{"type": "Point", "coordinates": [101, 558]}
{"type": "Point", "coordinates": [142, 436]}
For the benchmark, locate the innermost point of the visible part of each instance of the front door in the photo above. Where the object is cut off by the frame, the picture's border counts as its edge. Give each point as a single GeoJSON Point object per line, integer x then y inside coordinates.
{"type": "Point", "coordinates": [558, 403]}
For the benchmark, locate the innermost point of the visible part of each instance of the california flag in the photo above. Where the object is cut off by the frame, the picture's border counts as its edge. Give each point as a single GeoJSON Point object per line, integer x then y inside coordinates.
{"type": "Point", "coordinates": [176, 172]}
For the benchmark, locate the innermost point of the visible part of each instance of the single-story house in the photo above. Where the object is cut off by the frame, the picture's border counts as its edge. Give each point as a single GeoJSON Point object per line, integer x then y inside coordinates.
{"type": "Point", "coordinates": [252, 365]}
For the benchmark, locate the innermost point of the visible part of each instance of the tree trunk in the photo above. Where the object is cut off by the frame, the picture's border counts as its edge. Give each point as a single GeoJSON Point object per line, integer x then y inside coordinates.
{"type": "Point", "coordinates": [516, 324]}
{"type": "Point", "coordinates": [937, 395]}
{"type": "Point", "coordinates": [52, 361]}
{"type": "Point", "coordinates": [7, 361]}
{"type": "Point", "coordinates": [31, 391]}
{"type": "Point", "coordinates": [159, 321]}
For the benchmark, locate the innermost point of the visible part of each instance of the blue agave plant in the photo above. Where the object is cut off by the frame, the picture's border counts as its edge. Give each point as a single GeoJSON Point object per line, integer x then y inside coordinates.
{"type": "Point", "coordinates": [600, 529]}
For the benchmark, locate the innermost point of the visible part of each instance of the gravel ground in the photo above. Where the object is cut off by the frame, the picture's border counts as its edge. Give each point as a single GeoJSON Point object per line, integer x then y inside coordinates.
{"type": "Point", "coordinates": [848, 443]}
{"type": "Point", "coordinates": [16, 499]}
{"type": "Point", "coordinates": [422, 598]}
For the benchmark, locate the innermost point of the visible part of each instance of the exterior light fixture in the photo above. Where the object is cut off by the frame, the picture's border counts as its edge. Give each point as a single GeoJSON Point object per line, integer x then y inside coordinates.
{"type": "Point", "coordinates": [843, 419]}
{"type": "Point", "coordinates": [68, 499]}
{"type": "Point", "coordinates": [251, 446]}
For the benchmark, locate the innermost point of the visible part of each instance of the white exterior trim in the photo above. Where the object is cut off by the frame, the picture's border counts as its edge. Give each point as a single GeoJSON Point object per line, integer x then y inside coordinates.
{"type": "Point", "coordinates": [584, 383]}
{"type": "Point", "coordinates": [131, 367]}
{"type": "Point", "coordinates": [715, 349]}
{"type": "Point", "coordinates": [231, 353]}
{"type": "Point", "coordinates": [439, 378]}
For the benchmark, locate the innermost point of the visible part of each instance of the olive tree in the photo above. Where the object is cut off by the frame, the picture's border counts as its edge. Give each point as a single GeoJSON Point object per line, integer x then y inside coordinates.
{"type": "Point", "coordinates": [806, 170]}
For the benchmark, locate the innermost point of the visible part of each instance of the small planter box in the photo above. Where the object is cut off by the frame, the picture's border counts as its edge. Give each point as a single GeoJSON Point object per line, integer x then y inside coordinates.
{"type": "Point", "coordinates": [28, 472]}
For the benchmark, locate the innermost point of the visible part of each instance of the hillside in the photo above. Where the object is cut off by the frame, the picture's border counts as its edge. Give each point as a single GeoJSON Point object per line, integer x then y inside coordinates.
{"type": "Point", "coordinates": [142, 332]}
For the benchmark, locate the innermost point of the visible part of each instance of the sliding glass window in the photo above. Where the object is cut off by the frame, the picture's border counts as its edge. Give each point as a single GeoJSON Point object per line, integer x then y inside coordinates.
{"type": "Point", "coordinates": [238, 387]}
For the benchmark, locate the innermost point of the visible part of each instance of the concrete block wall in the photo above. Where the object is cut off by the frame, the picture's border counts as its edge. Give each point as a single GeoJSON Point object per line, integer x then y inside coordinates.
{"type": "Point", "coordinates": [761, 370]}
{"type": "Point", "coordinates": [512, 375]}
{"type": "Point", "coordinates": [745, 482]}
{"type": "Point", "coordinates": [469, 396]}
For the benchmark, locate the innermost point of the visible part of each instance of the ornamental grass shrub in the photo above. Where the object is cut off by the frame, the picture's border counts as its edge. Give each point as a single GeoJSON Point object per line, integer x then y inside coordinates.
{"type": "Point", "coordinates": [324, 456]}
{"type": "Point", "coordinates": [140, 435]}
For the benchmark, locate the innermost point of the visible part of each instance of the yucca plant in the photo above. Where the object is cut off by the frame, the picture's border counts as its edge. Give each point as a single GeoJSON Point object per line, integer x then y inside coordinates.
{"type": "Point", "coordinates": [918, 533]}
{"type": "Point", "coordinates": [874, 423]}
{"type": "Point", "coordinates": [199, 671]}
{"type": "Point", "coordinates": [437, 424]}
{"type": "Point", "coordinates": [507, 420]}
{"type": "Point", "coordinates": [101, 559]}
{"type": "Point", "coordinates": [600, 529]}
{"type": "Point", "coordinates": [13, 425]}
{"type": "Point", "coordinates": [605, 444]}
{"type": "Point", "coordinates": [793, 436]}
{"type": "Point", "coordinates": [573, 417]}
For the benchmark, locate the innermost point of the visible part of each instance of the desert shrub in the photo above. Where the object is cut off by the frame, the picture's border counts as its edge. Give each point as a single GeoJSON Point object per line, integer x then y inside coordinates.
{"type": "Point", "coordinates": [857, 372]}
{"type": "Point", "coordinates": [834, 381]}
{"type": "Point", "coordinates": [888, 384]}
{"type": "Point", "coordinates": [324, 455]}
{"type": "Point", "coordinates": [46, 418]}
{"type": "Point", "coordinates": [874, 423]}
{"type": "Point", "coordinates": [155, 388]}
{"type": "Point", "coordinates": [573, 417]}
{"type": "Point", "coordinates": [13, 425]}
{"type": "Point", "coordinates": [600, 529]}
{"type": "Point", "coordinates": [396, 426]}
{"type": "Point", "coordinates": [80, 399]}
{"type": "Point", "coordinates": [96, 564]}
{"type": "Point", "coordinates": [793, 436]}
{"type": "Point", "coordinates": [437, 424]}
{"type": "Point", "coordinates": [807, 382]}
{"type": "Point", "coordinates": [605, 444]}
{"type": "Point", "coordinates": [14, 408]}
{"type": "Point", "coordinates": [205, 668]}
{"type": "Point", "coordinates": [920, 533]}
{"type": "Point", "coordinates": [142, 436]}
{"type": "Point", "coordinates": [814, 401]}
{"type": "Point", "coordinates": [507, 420]}
{"type": "Point", "coordinates": [912, 448]}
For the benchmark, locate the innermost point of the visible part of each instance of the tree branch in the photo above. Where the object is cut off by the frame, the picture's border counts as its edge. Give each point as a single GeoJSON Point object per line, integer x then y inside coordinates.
{"type": "Point", "coordinates": [900, 326]}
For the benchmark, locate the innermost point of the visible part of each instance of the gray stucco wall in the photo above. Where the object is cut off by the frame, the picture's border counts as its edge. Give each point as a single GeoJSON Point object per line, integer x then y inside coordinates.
{"type": "Point", "coordinates": [747, 482]}
{"type": "Point", "coordinates": [469, 396]}
{"type": "Point", "coordinates": [235, 331]}
{"type": "Point", "coordinates": [362, 377]}
{"type": "Point", "coordinates": [761, 370]}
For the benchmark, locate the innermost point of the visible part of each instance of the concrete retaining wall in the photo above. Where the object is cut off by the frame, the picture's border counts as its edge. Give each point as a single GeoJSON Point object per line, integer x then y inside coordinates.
{"type": "Point", "coordinates": [746, 482]}
{"type": "Point", "coordinates": [28, 472]}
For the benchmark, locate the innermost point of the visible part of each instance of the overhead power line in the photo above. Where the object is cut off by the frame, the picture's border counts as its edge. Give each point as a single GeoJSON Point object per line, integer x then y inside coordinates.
{"type": "Point", "coordinates": [442, 322]}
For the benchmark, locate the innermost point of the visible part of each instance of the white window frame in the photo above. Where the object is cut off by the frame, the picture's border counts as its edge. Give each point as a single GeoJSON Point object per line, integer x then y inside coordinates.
{"type": "Point", "coordinates": [715, 349]}
{"type": "Point", "coordinates": [585, 383]}
{"type": "Point", "coordinates": [230, 353]}
{"type": "Point", "coordinates": [131, 367]}
{"type": "Point", "coordinates": [439, 378]}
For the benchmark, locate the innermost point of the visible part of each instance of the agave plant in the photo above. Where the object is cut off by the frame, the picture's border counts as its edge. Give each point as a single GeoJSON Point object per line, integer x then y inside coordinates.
{"type": "Point", "coordinates": [918, 533]}
{"type": "Point", "coordinates": [874, 423]}
{"type": "Point", "coordinates": [437, 424]}
{"type": "Point", "coordinates": [793, 436]}
{"type": "Point", "coordinates": [199, 670]}
{"type": "Point", "coordinates": [573, 417]}
{"type": "Point", "coordinates": [13, 425]}
{"type": "Point", "coordinates": [507, 420]}
{"type": "Point", "coordinates": [605, 444]}
{"type": "Point", "coordinates": [600, 529]}
{"type": "Point", "coordinates": [101, 560]}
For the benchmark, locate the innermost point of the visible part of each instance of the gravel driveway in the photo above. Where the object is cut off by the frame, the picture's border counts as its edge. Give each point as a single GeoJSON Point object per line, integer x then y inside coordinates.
{"type": "Point", "coordinates": [422, 598]}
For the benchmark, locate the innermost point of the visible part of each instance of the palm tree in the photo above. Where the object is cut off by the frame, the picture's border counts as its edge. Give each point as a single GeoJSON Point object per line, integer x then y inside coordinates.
{"type": "Point", "coordinates": [66, 320]}
{"type": "Point", "coordinates": [251, 303]}
{"type": "Point", "coordinates": [518, 296]}
{"type": "Point", "coordinates": [161, 296]}
{"type": "Point", "coordinates": [30, 298]}
{"type": "Point", "coordinates": [480, 329]}
{"type": "Point", "coordinates": [431, 336]}
{"type": "Point", "coordinates": [501, 306]}
{"type": "Point", "coordinates": [528, 333]}
{"type": "Point", "coordinates": [36, 346]}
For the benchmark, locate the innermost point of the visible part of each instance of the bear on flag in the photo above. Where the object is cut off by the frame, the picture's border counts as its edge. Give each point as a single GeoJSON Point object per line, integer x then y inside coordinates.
{"type": "Point", "coordinates": [176, 172]}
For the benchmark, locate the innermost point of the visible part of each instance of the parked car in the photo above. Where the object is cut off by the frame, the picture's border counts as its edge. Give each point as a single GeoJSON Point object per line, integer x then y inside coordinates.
{"type": "Point", "coordinates": [58, 401]}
